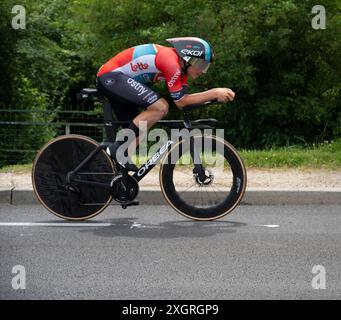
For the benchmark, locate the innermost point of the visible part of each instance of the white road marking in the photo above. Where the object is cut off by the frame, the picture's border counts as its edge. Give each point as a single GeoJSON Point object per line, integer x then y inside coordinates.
{"type": "Point", "coordinates": [55, 224]}
{"type": "Point", "coordinates": [267, 225]}
{"type": "Point", "coordinates": [136, 225]}
{"type": "Point", "coordinates": [91, 224]}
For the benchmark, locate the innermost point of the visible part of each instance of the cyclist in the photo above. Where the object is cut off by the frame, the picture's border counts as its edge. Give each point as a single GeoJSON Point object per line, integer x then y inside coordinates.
{"type": "Point", "coordinates": [124, 81]}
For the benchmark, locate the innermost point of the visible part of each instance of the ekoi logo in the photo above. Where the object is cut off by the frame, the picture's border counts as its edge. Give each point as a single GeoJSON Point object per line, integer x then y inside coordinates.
{"type": "Point", "coordinates": [138, 66]}
{"type": "Point", "coordinates": [154, 159]}
{"type": "Point", "coordinates": [193, 53]}
{"type": "Point", "coordinates": [174, 78]}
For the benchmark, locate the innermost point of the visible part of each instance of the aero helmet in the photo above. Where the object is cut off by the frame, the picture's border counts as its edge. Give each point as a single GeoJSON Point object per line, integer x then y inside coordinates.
{"type": "Point", "coordinates": [195, 51]}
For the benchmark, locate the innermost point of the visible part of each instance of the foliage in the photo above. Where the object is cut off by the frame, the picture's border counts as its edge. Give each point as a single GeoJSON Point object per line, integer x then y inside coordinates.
{"type": "Point", "coordinates": [286, 74]}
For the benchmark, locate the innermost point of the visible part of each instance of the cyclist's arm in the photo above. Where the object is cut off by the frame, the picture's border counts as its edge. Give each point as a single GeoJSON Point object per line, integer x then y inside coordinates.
{"type": "Point", "coordinates": [196, 98]}
{"type": "Point", "coordinates": [219, 94]}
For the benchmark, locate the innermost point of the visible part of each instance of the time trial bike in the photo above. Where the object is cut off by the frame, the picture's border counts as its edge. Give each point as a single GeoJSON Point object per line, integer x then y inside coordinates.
{"type": "Point", "coordinates": [75, 179]}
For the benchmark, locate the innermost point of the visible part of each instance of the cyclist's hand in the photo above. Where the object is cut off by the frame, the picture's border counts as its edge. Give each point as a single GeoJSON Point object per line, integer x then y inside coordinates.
{"type": "Point", "coordinates": [224, 94]}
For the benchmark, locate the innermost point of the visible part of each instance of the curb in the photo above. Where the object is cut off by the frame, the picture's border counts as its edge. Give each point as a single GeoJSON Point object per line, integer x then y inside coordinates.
{"type": "Point", "coordinates": [252, 197]}
{"type": "Point", "coordinates": [292, 197]}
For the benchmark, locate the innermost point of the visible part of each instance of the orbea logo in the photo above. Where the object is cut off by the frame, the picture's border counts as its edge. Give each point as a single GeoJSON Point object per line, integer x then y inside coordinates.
{"type": "Point", "coordinates": [155, 157]}
{"type": "Point", "coordinates": [174, 78]}
{"type": "Point", "coordinates": [138, 66]}
{"type": "Point", "coordinates": [195, 53]}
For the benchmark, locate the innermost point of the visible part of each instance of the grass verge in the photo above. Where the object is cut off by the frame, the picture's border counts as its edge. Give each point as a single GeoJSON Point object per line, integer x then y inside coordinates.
{"type": "Point", "coordinates": [323, 156]}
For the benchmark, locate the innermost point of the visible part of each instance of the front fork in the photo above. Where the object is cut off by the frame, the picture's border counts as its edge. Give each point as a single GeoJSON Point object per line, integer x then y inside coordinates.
{"type": "Point", "coordinates": [198, 167]}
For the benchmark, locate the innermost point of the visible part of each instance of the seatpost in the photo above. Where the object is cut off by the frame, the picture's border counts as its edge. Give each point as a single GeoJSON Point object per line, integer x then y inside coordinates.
{"type": "Point", "coordinates": [110, 127]}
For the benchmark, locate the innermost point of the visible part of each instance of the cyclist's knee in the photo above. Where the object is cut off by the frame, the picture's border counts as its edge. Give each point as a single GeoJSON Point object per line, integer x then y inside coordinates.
{"type": "Point", "coordinates": [161, 106]}
{"type": "Point", "coordinates": [164, 110]}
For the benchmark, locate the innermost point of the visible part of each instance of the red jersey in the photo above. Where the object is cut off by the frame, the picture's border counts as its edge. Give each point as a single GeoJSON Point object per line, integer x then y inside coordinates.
{"type": "Point", "coordinates": [150, 63]}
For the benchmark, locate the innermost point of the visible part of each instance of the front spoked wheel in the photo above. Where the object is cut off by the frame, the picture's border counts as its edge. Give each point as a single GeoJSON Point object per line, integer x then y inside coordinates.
{"type": "Point", "coordinates": [209, 195]}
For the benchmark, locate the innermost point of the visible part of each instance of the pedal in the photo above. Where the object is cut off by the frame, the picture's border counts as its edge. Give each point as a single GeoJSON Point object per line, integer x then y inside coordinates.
{"type": "Point", "coordinates": [133, 203]}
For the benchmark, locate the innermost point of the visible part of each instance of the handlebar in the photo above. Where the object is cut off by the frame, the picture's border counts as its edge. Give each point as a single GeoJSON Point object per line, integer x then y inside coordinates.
{"type": "Point", "coordinates": [197, 106]}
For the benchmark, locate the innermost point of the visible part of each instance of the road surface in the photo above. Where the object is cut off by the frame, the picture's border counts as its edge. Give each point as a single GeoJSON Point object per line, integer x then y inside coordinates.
{"type": "Point", "coordinates": [151, 252]}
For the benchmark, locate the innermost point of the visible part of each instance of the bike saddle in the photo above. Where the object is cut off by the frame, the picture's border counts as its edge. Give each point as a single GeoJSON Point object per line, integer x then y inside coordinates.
{"type": "Point", "coordinates": [87, 93]}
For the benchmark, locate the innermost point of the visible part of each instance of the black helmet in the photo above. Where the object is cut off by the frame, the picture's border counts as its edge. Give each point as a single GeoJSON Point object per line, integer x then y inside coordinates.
{"type": "Point", "coordinates": [195, 51]}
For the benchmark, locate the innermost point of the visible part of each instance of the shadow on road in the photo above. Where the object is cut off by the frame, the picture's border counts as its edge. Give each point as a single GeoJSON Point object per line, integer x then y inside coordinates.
{"type": "Point", "coordinates": [127, 227]}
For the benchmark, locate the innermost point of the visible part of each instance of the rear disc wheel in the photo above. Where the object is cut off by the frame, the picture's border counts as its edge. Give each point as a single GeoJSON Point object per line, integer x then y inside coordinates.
{"type": "Point", "coordinates": [72, 201]}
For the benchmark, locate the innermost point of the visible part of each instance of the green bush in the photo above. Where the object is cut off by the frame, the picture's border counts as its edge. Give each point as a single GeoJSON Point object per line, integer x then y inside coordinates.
{"type": "Point", "coordinates": [286, 74]}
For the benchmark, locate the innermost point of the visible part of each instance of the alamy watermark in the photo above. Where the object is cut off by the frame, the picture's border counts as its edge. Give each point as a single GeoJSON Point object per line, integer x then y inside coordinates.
{"type": "Point", "coordinates": [19, 280]}
{"type": "Point", "coordinates": [19, 19]}
{"type": "Point", "coordinates": [319, 21]}
{"type": "Point", "coordinates": [319, 279]}
{"type": "Point", "coordinates": [209, 152]}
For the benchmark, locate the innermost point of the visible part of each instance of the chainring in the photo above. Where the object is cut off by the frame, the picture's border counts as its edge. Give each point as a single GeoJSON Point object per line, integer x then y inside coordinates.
{"type": "Point", "coordinates": [124, 189]}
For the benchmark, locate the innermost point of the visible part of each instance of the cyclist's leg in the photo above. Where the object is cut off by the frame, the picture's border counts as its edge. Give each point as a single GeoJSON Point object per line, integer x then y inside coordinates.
{"type": "Point", "coordinates": [124, 111]}
{"type": "Point", "coordinates": [126, 94]}
{"type": "Point", "coordinates": [153, 113]}
{"type": "Point", "coordinates": [121, 89]}
{"type": "Point", "coordinates": [150, 116]}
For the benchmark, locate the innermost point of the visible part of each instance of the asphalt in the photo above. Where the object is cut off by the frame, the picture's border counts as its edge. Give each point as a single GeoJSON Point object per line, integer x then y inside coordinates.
{"type": "Point", "coordinates": [253, 196]}
{"type": "Point", "coordinates": [151, 252]}
{"type": "Point", "coordinates": [265, 187]}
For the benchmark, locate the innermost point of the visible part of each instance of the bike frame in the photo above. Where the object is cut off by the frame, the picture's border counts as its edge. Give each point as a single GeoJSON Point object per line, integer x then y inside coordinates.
{"type": "Point", "coordinates": [111, 127]}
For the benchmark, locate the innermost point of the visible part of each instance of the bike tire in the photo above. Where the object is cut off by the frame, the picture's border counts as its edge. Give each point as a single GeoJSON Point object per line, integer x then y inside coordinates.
{"type": "Point", "coordinates": [50, 168]}
{"type": "Point", "coordinates": [230, 192]}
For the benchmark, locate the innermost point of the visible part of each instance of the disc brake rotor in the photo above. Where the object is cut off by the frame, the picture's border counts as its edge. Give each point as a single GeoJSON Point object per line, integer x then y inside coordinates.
{"type": "Point", "coordinates": [209, 177]}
